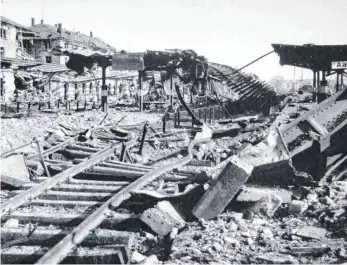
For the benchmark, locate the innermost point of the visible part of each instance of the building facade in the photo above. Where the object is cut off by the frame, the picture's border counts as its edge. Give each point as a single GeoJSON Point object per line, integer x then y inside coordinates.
{"type": "Point", "coordinates": [14, 40]}
{"type": "Point", "coordinates": [51, 38]}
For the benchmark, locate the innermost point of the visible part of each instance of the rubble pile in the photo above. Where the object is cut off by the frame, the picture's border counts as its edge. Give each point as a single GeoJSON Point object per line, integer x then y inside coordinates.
{"type": "Point", "coordinates": [239, 199]}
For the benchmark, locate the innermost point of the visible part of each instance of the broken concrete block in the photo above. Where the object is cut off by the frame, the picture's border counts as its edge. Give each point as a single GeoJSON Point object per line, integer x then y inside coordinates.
{"type": "Point", "coordinates": [297, 207]}
{"type": "Point", "coordinates": [254, 194]}
{"type": "Point", "coordinates": [222, 191]}
{"type": "Point", "coordinates": [267, 205]}
{"type": "Point", "coordinates": [173, 233]}
{"type": "Point", "coordinates": [270, 160]}
{"type": "Point", "coordinates": [231, 241]}
{"type": "Point", "coordinates": [162, 218]}
{"type": "Point", "coordinates": [14, 171]}
{"type": "Point", "coordinates": [205, 133]}
{"type": "Point", "coordinates": [151, 260]}
{"type": "Point", "coordinates": [137, 257]}
{"type": "Point", "coordinates": [311, 232]}
{"type": "Point", "coordinates": [276, 258]}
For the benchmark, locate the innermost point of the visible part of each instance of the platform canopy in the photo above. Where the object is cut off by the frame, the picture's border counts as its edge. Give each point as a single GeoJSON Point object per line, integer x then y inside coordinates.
{"type": "Point", "coordinates": [310, 56]}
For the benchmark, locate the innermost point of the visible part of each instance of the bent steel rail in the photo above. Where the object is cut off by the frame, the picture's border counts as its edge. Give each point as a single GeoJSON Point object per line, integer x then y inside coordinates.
{"type": "Point", "coordinates": [69, 243]}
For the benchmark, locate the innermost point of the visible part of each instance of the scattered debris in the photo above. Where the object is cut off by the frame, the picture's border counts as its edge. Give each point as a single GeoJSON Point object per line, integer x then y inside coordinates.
{"type": "Point", "coordinates": [267, 206]}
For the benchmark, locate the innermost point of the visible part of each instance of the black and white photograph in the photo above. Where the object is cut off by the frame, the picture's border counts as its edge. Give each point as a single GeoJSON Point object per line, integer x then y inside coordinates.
{"type": "Point", "coordinates": [173, 132]}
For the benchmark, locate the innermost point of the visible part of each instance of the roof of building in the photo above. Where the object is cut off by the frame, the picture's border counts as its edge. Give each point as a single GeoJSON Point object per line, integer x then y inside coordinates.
{"type": "Point", "coordinates": [310, 56]}
{"type": "Point", "coordinates": [35, 65]}
{"type": "Point", "coordinates": [11, 22]}
{"type": "Point", "coordinates": [46, 31]}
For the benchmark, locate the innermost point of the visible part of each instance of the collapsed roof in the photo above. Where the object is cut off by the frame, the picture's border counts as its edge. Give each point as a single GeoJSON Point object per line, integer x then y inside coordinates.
{"type": "Point", "coordinates": [314, 57]}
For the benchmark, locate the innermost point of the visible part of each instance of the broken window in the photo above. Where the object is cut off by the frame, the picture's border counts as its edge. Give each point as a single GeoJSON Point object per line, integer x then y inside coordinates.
{"type": "Point", "coordinates": [3, 33]}
{"type": "Point", "coordinates": [2, 82]}
{"type": "Point", "coordinates": [76, 92]}
{"type": "Point", "coordinates": [84, 88]}
{"type": "Point", "coordinates": [47, 44]}
{"type": "Point", "coordinates": [90, 88]}
{"type": "Point", "coordinates": [2, 52]}
{"type": "Point", "coordinates": [48, 59]}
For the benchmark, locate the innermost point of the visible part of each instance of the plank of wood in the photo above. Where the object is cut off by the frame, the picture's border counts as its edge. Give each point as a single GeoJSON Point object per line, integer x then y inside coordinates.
{"type": "Point", "coordinates": [66, 219]}
{"type": "Point", "coordinates": [50, 237]}
{"type": "Point", "coordinates": [97, 255]}
{"type": "Point", "coordinates": [64, 203]}
{"type": "Point", "coordinates": [80, 187]}
{"type": "Point", "coordinates": [69, 195]}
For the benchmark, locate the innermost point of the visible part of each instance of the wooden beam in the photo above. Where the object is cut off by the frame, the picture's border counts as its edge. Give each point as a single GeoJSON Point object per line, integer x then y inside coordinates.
{"type": "Point", "coordinates": [50, 237]}
{"type": "Point", "coordinates": [66, 219]}
{"type": "Point", "coordinates": [39, 149]}
{"type": "Point", "coordinates": [53, 149]}
{"type": "Point", "coordinates": [80, 187]}
{"type": "Point", "coordinates": [72, 195]}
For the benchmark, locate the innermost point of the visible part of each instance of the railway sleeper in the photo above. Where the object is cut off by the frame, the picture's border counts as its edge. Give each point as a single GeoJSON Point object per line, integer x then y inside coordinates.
{"type": "Point", "coordinates": [64, 203]}
{"type": "Point", "coordinates": [86, 181]}
{"type": "Point", "coordinates": [110, 254]}
{"type": "Point", "coordinates": [81, 187]}
{"type": "Point", "coordinates": [68, 195]}
{"type": "Point", "coordinates": [50, 237]}
{"type": "Point", "coordinates": [114, 221]}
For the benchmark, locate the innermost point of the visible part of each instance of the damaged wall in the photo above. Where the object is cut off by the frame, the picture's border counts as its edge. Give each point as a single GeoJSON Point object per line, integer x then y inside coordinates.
{"type": "Point", "coordinates": [9, 86]}
{"type": "Point", "coordinates": [9, 43]}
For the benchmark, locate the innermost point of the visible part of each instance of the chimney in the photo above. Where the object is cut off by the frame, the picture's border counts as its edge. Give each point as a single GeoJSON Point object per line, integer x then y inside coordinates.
{"type": "Point", "coordinates": [41, 21]}
{"type": "Point", "coordinates": [91, 34]}
{"type": "Point", "coordinates": [32, 21]}
{"type": "Point", "coordinates": [60, 28]}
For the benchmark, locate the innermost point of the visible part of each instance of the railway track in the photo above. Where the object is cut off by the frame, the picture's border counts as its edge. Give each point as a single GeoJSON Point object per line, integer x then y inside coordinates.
{"type": "Point", "coordinates": [72, 216]}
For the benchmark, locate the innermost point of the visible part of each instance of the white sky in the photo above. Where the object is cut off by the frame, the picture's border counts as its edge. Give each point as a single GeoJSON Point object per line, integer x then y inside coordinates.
{"type": "Point", "coordinates": [232, 32]}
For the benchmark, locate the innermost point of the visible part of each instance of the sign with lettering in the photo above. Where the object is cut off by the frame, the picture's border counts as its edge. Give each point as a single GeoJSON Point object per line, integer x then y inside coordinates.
{"type": "Point", "coordinates": [339, 65]}
{"type": "Point", "coordinates": [128, 61]}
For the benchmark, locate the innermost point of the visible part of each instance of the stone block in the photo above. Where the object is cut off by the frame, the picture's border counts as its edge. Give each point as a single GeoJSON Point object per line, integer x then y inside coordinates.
{"type": "Point", "coordinates": [223, 190]}
{"type": "Point", "coordinates": [311, 232]}
{"type": "Point", "coordinates": [297, 207]}
{"type": "Point", "coordinates": [163, 218]}
{"type": "Point", "coordinates": [14, 171]}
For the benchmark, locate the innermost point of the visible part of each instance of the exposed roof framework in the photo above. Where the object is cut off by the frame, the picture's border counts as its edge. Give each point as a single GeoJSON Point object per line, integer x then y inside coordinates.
{"type": "Point", "coordinates": [309, 56]}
